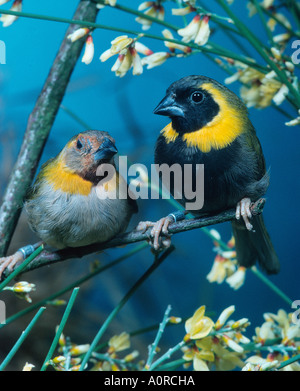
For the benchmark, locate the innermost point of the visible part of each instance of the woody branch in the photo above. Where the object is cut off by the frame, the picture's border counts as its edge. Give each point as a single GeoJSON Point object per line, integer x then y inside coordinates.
{"type": "Point", "coordinates": [51, 257]}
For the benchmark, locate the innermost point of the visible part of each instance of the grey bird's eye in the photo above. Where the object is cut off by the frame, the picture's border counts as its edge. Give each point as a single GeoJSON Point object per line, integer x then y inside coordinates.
{"type": "Point", "coordinates": [197, 96]}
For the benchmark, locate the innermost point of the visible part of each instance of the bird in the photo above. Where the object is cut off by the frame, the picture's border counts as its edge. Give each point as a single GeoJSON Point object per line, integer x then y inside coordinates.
{"type": "Point", "coordinates": [78, 198]}
{"type": "Point", "coordinates": [210, 125]}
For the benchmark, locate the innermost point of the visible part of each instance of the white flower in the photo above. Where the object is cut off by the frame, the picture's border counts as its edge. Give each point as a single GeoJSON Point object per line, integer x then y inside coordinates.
{"type": "Point", "coordinates": [77, 34]}
{"type": "Point", "coordinates": [7, 20]}
{"type": "Point", "coordinates": [237, 279]}
{"type": "Point", "coordinates": [204, 32]}
{"type": "Point", "coordinates": [88, 51]}
{"type": "Point", "coordinates": [155, 59]}
{"type": "Point", "coordinates": [224, 316]}
{"type": "Point", "coordinates": [294, 122]}
{"type": "Point", "coordinates": [4, 2]}
{"type": "Point", "coordinates": [171, 45]}
{"type": "Point", "coordinates": [279, 97]}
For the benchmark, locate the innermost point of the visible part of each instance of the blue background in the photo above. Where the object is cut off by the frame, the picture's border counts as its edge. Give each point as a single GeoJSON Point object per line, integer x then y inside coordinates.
{"type": "Point", "coordinates": [124, 107]}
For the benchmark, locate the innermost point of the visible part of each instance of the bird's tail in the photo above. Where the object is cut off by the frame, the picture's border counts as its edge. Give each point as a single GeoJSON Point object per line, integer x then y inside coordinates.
{"type": "Point", "coordinates": [255, 245]}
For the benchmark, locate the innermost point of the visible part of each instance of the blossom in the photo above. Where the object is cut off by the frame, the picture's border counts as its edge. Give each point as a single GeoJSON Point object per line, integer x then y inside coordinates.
{"type": "Point", "coordinates": [112, 3]}
{"type": "Point", "coordinates": [89, 51]}
{"type": "Point", "coordinates": [295, 121]}
{"type": "Point", "coordinates": [77, 34]}
{"type": "Point", "coordinates": [22, 290]}
{"type": "Point", "coordinates": [155, 59]}
{"type": "Point", "coordinates": [27, 367]}
{"type": "Point", "coordinates": [77, 350]}
{"type": "Point", "coordinates": [237, 279]}
{"type": "Point", "coordinates": [153, 9]}
{"type": "Point", "coordinates": [198, 326]}
{"type": "Point", "coordinates": [171, 45]}
{"type": "Point", "coordinates": [127, 50]}
{"type": "Point", "coordinates": [7, 20]}
{"type": "Point", "coordinates": [197, 30]}
{"type": "Point", "coordinates": [224, 316]}
{"type": "Point", "coordinates": [118, 343]}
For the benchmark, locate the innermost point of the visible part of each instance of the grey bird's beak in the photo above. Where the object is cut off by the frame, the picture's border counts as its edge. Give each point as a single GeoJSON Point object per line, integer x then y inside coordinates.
{"type": "Point", "coordinates": [106, 150]}
{"type": "Point", "coordinates": [169, 107]}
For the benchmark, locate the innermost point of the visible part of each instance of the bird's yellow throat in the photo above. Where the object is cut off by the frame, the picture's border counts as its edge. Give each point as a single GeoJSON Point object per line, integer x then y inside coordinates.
{"type": "Point", "coordinates": [65, 180]}
{"type": "Point", "coordinates": [224, 128]}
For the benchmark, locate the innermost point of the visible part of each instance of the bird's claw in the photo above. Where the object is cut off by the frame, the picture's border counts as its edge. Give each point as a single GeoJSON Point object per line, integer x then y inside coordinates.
{"type": "Point", "coordinates": [243, 209]}
{"type": "Point", "coordinates": [156, 241]}
{"type": "Point", "coordinates": [10, 262]}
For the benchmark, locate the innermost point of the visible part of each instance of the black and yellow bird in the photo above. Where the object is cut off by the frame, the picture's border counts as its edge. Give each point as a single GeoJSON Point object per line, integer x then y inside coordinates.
{"type": "Point", "coordinates": [210, 126]}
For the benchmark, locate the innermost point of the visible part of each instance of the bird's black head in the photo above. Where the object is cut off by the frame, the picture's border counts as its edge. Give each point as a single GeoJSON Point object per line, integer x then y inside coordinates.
{"type": "Point", "coordinates": [190, 106]}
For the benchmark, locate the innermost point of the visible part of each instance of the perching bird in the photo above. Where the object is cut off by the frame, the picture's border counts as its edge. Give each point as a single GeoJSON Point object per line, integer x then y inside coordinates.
{"type": "Point", "coordinates": [78, 198]}
{"type": "Point", "coordinates": [210, 126]}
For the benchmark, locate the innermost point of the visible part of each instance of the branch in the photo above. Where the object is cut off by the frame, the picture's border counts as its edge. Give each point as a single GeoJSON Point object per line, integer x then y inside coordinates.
{"type": "Point", "coordinates": [39, 125]}
{"type": "Point", "coordinates": [51, 257]}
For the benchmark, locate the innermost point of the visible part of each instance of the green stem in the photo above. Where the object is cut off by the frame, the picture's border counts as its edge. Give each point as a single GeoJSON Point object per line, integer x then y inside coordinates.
{"type": "Point", "coordinates": [289, 361]}
{"type": "Point", "coordinates": [121, 304]}
{"type": "Point", "coordinates": [21, 339]}
{"type": "Point", "coordinates": [153, 347]}
{"type": "Point", "coordinates": [272, 286]}
{"type": "Point", "coordinates": [74, 284]}
{"type": "Point", "coordinates": [19, 269]}
{"type": "Point", "coordinates": [167, 355]}
{"type": "Point", "coordinates": [71, 113]}
{"type": "Point", "coordinates": [219, 52]}
{"type": "Point", "coordinates": [263, 21]}
{"type": "Point", "coordinates": [60, 328]}
{"type": "Point", "coordinates": [141, 15]}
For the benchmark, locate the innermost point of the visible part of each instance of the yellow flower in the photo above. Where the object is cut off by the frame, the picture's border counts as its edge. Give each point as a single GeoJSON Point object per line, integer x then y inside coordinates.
{"type": "Point", "coordinates": [7, 20]}
{"type": "Point", "coordinates": [119, 342]}
{"type": "Point", "coordinates": [89, 51]}
{"type": "Point", "coordinates": [198, 326]}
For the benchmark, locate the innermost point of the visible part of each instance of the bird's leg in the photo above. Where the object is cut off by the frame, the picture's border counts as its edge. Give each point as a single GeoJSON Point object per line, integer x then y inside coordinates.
{"type": "Point", "coordinates": [17, 258]}
{"type": "Point", "coordinates": [160, 227]}
{"type": "Point", "coordinates": [243, 210]}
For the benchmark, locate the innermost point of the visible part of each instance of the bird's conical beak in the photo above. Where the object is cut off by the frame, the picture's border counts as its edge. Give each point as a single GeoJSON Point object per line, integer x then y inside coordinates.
{"type": "Point", "coordinates": [106, 150]}
{"type": "Point", "coordinates": [169, 107]}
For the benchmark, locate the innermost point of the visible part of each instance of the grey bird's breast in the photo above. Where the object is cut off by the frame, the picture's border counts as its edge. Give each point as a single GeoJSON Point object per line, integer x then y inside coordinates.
{"type": "Point", "coordinates": [62, 219]}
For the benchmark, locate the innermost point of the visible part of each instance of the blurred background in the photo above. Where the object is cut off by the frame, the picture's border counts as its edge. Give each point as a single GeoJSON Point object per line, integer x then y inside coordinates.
{"type": "Point", "coordinates": [124, 107]}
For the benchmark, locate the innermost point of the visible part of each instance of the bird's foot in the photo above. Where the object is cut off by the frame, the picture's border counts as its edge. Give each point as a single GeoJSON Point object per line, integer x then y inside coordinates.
{"type": "Point", "coordinates": [243, 209]}
{"type": "Point", "coordinates": [17, 258]}
{"type": "Point", "coordinates": [161, 226]}
{"type": "Point", "coordinates": [10, 262]}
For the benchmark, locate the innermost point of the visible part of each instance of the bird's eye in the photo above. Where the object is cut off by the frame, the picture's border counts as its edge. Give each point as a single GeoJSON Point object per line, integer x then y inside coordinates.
{"type": "Point", "coordinates": [197, 97]}
{"type": "Point", "coordinates": [79, 144]}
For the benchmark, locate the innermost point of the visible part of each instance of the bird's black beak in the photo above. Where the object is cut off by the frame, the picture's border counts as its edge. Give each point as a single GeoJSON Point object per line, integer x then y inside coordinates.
{"type": "Point", "coordinates": [106, 150]}
{"type": "Point", "coordinates": [169, 107]}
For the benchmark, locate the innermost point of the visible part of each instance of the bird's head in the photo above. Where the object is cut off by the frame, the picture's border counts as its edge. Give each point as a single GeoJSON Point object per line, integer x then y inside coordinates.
{"type": "Point", "coordinates": [85, 152]}
{"type": "Point", "coordinates": [195, 101]}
